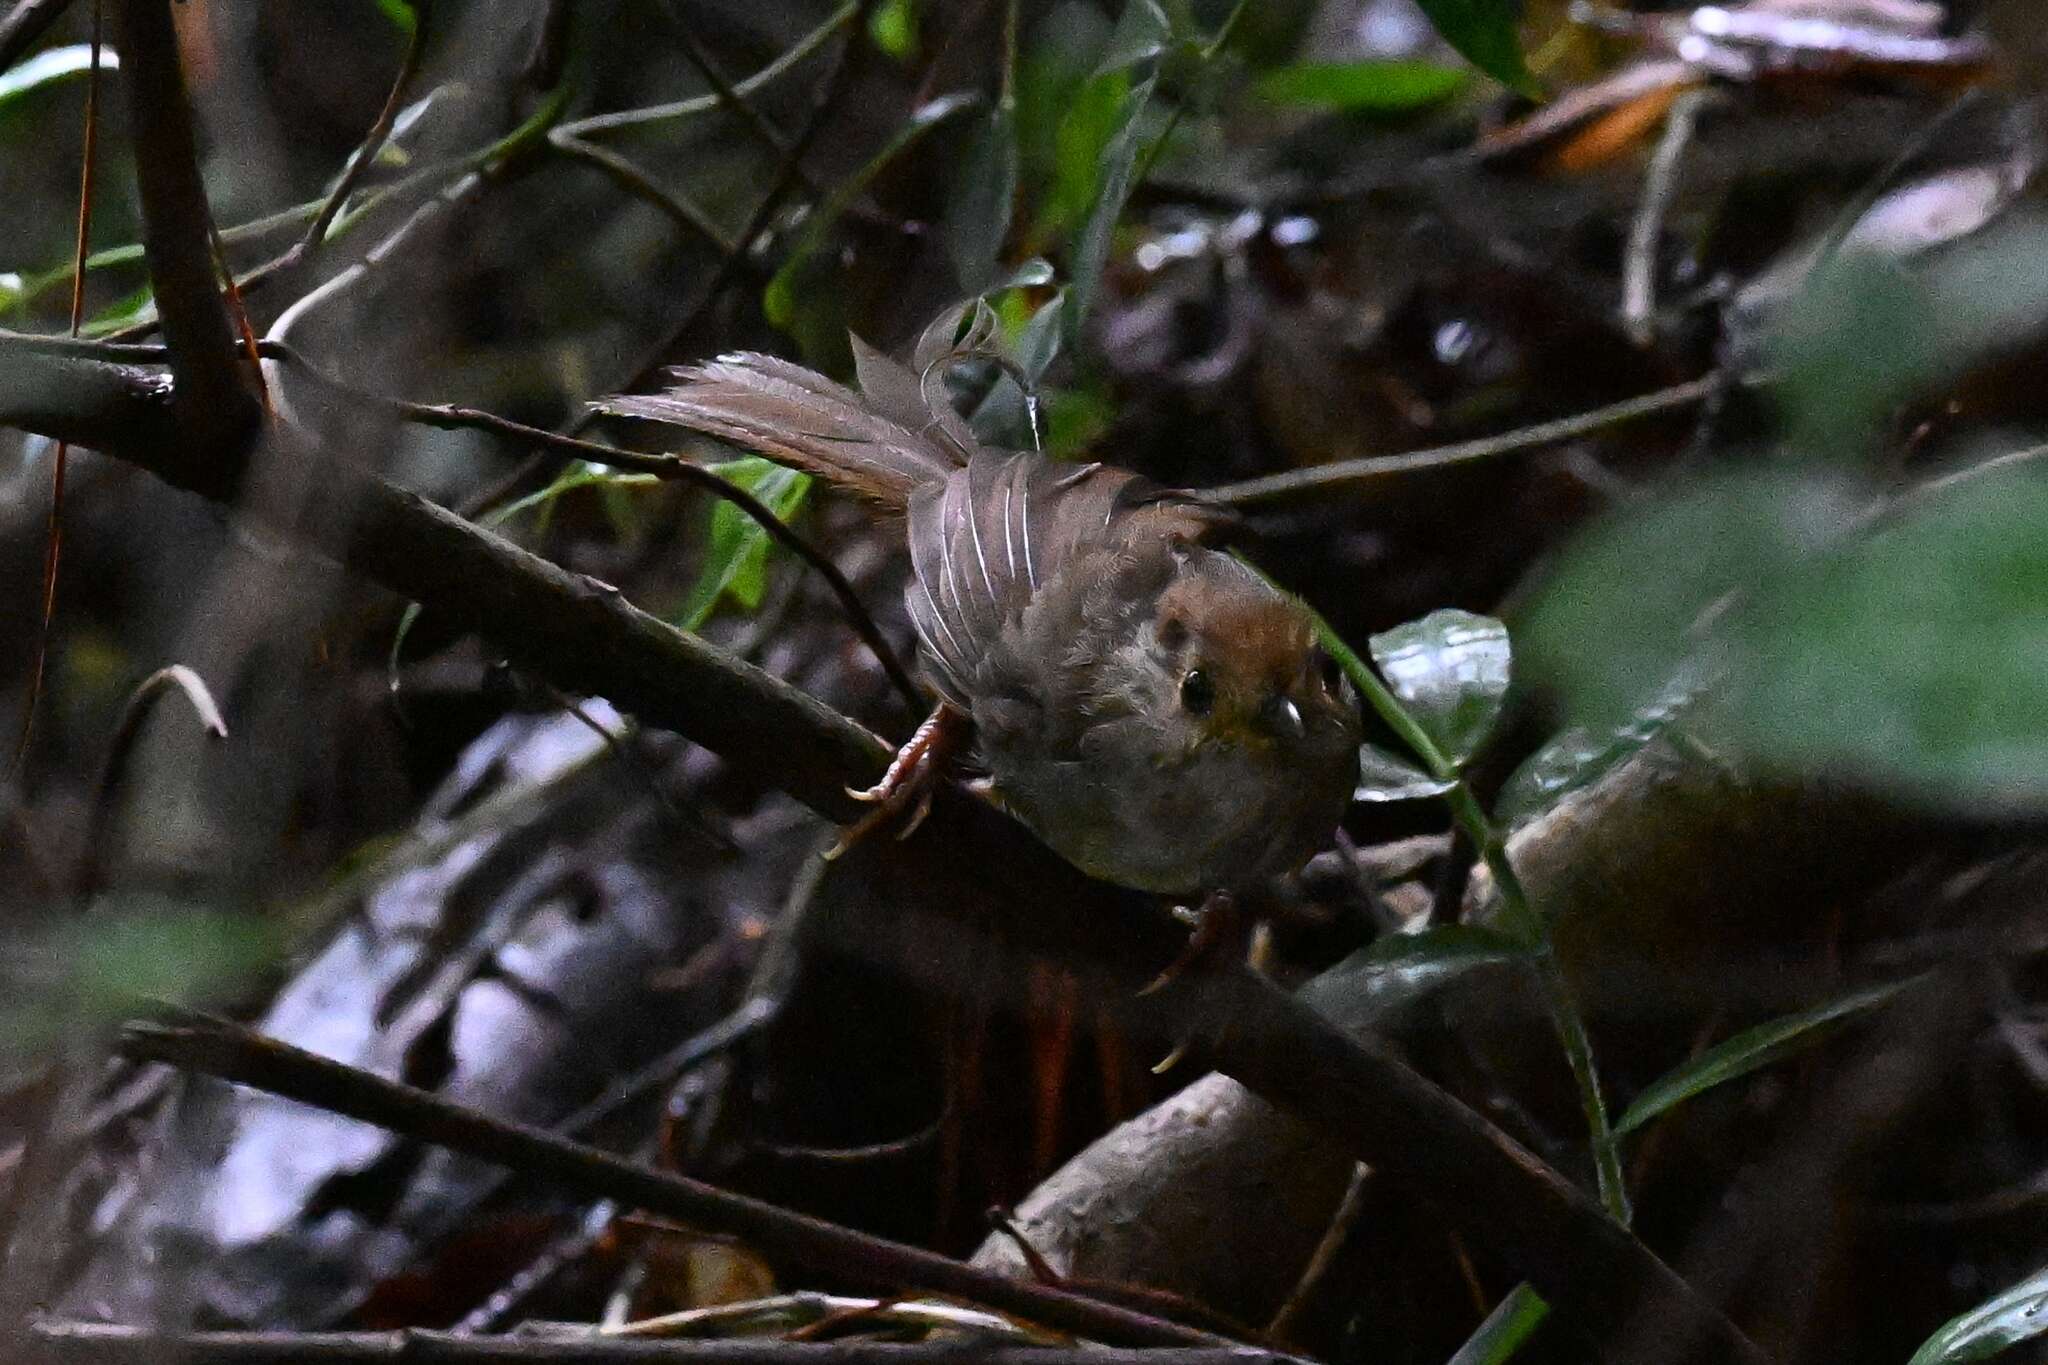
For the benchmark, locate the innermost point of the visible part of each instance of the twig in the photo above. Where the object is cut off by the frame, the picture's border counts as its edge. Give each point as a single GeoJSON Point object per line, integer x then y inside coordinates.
{"type": "Point", "coordinates": [24, 24]}
{"type": "Point", "coordinates": [95, 1344]}
{"type": "Point", "coordinates": [114, 771]}
{"type": "Point", "coordinates": [633, 180]}
{"type": "Point", "coordinates": [373, 141]}
{"type": "Point", "coordinates": [1273, 487]}
{"type": "Point", "coordinates": [704, 104]}
{"type": "Point", "coordinates": [729, 269]}
{"type": "Point", "coordinates": [60, 458]}
{"type": "Point", "coordinates": [1660, 186]}
{"type": "Point", "coordinates": [1325, 1255]}
{"type": "Point", "coordinates": [211, 398]}
{"type": "Point", "coordinates": [447, 416]}
{"type": "Point", "coordinates": [216, 1048]}
{"type": "Point", "coordinates": [731, 98]}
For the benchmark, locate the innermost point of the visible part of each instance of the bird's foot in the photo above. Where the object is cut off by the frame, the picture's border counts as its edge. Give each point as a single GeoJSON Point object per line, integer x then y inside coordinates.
{"type": "Point", "coordinates": [906, 789]}
{"type": "Point", "coordinates": [1220, 937]}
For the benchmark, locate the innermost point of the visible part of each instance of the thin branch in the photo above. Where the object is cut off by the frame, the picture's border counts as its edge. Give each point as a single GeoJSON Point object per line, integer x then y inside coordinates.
{"type": "Point", "coordinates": [1660, 187]}
{"type": "Point", "coordinates": [731, 98]}
{"type": "Point", "coordinates": [24, 24]}
{"type": "Point", "coordinates": [212, 399]}
{"type": "Point", "coordinates": [704, 104]}
{"type": "Point", "coordinates": [373, 141]}
{"type": "Point", "coordinates": [580, 634]}
{"type": "Point", "coordinates": [79, 1343]}
{"type": "Point", "coordinates": [635, 181]}
{"type": "Point", "coordinates": [142, 703]}
{"type": "Point", "coordinates": [60, 458]}
{"type": "Point", "coordinates": [448, 416]}
{"type": "Point", "coordinates": [229, 1052]}
{"type": "Point", "coordinates": [851, 54]}
{"type": "Point", "coordinates": [1335, 1237]}
{"type": "Point", "coordinates": [1295, 482]}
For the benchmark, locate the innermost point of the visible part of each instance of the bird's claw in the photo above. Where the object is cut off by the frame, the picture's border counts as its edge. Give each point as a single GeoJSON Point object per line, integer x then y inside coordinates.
{"type": "Point", "coordinates": [907, 788]}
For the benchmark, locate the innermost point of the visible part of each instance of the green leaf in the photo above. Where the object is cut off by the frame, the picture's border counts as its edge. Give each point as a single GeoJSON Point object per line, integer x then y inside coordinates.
{"type": "Point", "coordinates": [1362, 87]}
{"type": "Point", "coordinates": [1142, 32]}
{"type": "Point", "coordinates": [2019, 1314]}
{"type": "Point", "coordinates": [1580, 756]}
{"type": "Point", "coordinates": [984, 195]}
{"type": "Point", "coordinates": [893, 28]}
{"type": "Point", "coordinates": [1483, 32]}
{"type": "Point", "coordinates": [88, 972]}
{"type": "Point", "coordinates": [1750, 1050]}
{"type": "Point", "coordinates": [1384, 776]}
{"type": "Point", "coordinates": [1450, 670]}
{"type": "Point", "coordinates": [1627, 601]}
{"type": "Point", "coordinates": [49, 67]}
{"type": "Point", "coordinates": [1914, 658]}
{"type": "Point", "coordinates": [1510, 1324]}
{"type": "Point", "coordinates": [400, 14]}
{"type": "Point", "coordinates": [1443, 945]}
{"type": "Point", "coordinates": [581, 474]}
{"type": "Point", "coordinates": [736, 552]}
{"type": "Point", "coordinates": [131, 308]}
{"type": "Point", "coordinates": [1091, 247]}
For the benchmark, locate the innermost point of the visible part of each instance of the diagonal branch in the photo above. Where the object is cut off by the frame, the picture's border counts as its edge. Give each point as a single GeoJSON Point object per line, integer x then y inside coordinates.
{"type": "Point", "coordinates": [216, 1048]}
{"type": "Point", "coordinates": [213, 399]}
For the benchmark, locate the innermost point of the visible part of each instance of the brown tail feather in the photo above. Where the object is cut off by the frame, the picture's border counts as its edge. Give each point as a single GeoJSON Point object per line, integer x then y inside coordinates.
{"type": "Point", "coordinates": [797, 417]}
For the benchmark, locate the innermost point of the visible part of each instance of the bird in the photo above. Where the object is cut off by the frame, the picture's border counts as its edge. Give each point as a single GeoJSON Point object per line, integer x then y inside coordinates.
{"type": "Point", "coordinates": [1154, 710]}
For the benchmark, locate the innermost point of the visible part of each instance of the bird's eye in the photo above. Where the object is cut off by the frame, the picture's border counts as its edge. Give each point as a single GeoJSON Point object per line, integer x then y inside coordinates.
{"type": "Point", "coordinates": [1330, 671]}
{"type": "Point", "coordinates": [1197, 693]}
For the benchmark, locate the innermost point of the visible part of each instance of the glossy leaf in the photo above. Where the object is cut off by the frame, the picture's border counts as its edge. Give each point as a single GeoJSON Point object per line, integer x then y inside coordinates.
{"type": "Point", "coordinates": [1748, 1051]}
{"type": "Point", "coordinates": [1450, 671]}
{"type": "Point", "coordinates": [49, 67]}
{"type": "Point", "coordinates": [1446, 945]}
{"type": "Point", "coordinates": [1384, 776]}
{"type": "Point", "coordinates": [1091, 246]}
{"type": "Point", "coordinates": [736, 551]}
{"type": "Point", "coordinates": [982, 199]}
{"type": "Point", "coordinates": [1483, 32]}
{"type": "Point", "coordinates": [1579, 756]}
{"type": "Point", "coordinates": [1362, 87]}
{"type": "Point", "coordinates": [1510, 1324]}
{"type": "Point", "coordinates": [2019, 1314]}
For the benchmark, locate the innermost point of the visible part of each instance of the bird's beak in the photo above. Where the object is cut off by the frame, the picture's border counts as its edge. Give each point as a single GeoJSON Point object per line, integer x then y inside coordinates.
{"type": "Point", "coordinates": [1283, 717]}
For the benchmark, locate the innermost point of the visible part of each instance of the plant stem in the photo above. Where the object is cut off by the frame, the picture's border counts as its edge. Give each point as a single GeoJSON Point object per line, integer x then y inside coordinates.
{"type": "Point", "coordinates": [1521, 916]}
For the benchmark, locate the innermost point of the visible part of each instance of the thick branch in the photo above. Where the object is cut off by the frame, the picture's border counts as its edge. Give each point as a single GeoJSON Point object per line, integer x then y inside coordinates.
{"type": "Point", "coordinates": [177, 228]}
{"type": "Point", "coordinates": [580, 634]}
{"type": "Point", "coordinates": [93, 1344]}
{"type": "Point", "coordinates": [234, 1054]}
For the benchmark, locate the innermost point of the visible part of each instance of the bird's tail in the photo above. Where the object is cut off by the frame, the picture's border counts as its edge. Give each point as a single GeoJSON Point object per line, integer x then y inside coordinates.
{"type": "Point", "coordinates": [883, 444]}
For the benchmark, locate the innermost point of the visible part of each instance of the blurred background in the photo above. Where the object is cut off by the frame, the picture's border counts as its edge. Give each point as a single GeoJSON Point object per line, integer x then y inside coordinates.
{"type": "Point", "coordinates": [1776, 590]}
